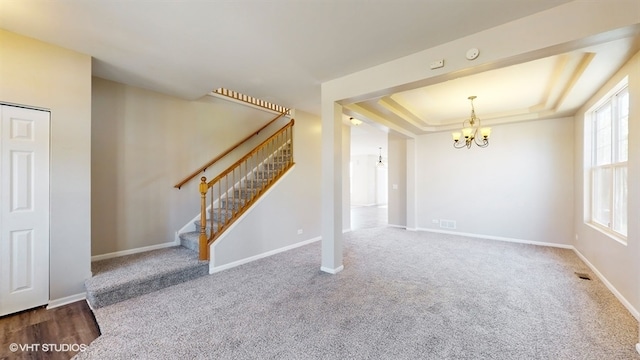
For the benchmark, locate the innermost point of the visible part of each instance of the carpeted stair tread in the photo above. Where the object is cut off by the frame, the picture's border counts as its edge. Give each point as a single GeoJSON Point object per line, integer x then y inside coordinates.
{"type": "Point", "coordinates": [125, 277]}
{"type": "Point", "coordinates": [190, 240]}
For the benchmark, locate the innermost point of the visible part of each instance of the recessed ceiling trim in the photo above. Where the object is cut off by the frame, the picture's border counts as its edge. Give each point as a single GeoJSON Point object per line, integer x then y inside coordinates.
{"type": "Point", "coordinates": [552, 89]}
{"type": "Point", "coordinates": [577, 73]}
{"type": "Point", "coordinates": [401, 111]}
{"type": "Point", "coordinates": [361, 112]}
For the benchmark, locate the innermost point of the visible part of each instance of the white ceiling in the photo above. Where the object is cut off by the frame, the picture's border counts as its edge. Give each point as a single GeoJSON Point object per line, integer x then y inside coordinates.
{"type": "Point", "coordinates": [550, 87]}
{"type": "Point", "coordinates": [282, 50]}
{"type": "Point", "coordinates": [276, 50]}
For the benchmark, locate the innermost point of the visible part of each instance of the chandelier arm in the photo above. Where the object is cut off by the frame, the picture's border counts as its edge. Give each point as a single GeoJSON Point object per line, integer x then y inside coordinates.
{"type": "Point", "coordinates": [483, 144]}
{"type": "Point", "coordinates": [459, 145]}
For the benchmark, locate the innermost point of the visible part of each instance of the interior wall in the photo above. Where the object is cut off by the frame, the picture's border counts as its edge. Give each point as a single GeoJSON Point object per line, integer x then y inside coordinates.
{"type": "Point", "coordinates": [41, 75]}
{"type": "Point", "coordinates": [143, 144]}
{"type": "Point", "coordinates": [382, 183]}
{"type": "Point", "coordinates": [397, 184]}
{"type": "Point", "coordinates": [617, 262]}
{"type": "Point", "coordinates": [518, 188]}
{"type": "Point", "coordinates": [363, 178]}
{"type": "Point", "coordinates": [290, 213]}
{"type": "Point", "coordinates": [346, 186]}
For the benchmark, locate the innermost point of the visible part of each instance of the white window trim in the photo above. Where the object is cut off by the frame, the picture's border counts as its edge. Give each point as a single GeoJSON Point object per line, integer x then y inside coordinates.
{"type": "Point", "coordinates": [608, 232]}
{"type": "Point", "coordinates": [589, 118]}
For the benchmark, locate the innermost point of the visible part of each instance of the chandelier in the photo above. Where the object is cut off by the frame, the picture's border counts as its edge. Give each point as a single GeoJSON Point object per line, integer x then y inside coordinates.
{"type": "Point", "coordinates": [470, 129]}
{"type": "Point", "coordinates": [380, 163]}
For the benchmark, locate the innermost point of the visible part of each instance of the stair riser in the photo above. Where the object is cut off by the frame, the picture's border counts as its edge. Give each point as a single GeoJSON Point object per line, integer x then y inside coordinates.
{"type": "Point", "coordinates": [266, 174]}
{"type": "Point", "coordinates": [219, 213]}
{"type": "Point", "coordinates": [245, 194]}
{"type": "Point", "coordinates": [175, 265]}
{"type": "Point", "coordinates": [273, 166]}
{"type": "Point", "coordinates": [283, 159]}
{"type": "Point", "coordinates": [255, 183]}
{"type": "Point", "coordinates": [196, 224]}
{"type": "Point", "coordinates": [232, 204]}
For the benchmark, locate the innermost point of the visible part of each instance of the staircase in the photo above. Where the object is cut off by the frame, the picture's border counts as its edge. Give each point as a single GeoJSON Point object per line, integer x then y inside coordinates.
{"type": "Point", "coordinates": [235, 200]}
{"type": "Point", "coordinates": [232, 193]}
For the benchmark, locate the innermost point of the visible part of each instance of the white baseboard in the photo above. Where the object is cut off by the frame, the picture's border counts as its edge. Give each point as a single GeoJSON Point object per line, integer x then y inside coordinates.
{"type": "Point", "coordinates": [133, 251]}
{"type": "Point", "coordinates": [398, 226]}
{"type": "Point", "coordinates": [332, 271]}
{"type": "Point", "coordinates": [65, 300]}
{"type": "Point", "coordinates": [610, 286]}
{"type": "Point", "coordinates": [498, 238]}
{"type": "Point", "coordinates": [214, 269]}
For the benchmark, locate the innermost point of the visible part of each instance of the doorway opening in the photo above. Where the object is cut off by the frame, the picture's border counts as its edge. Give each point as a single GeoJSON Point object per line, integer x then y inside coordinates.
{"type": "Point", "coordinates": [368, 175]}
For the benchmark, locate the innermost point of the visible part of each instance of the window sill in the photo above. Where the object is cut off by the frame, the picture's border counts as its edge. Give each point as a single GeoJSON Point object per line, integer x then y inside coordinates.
{"type": "Point", "coordinates": [608, 232]}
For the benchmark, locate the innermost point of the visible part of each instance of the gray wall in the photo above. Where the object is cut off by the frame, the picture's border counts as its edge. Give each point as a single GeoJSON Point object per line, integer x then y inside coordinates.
{"type": "Point", "coordinates": [37, 74]}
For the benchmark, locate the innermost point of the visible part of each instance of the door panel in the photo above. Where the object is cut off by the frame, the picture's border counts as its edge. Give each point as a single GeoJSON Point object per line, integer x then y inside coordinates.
{"type": "Point", "coordinates": [24, 208]}
{"type": "Point", "coordinates": [21, 260]}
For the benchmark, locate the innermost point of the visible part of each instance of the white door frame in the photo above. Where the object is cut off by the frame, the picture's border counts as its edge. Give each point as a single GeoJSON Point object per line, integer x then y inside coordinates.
{"type": "Point", "coordinates": [24, 208]}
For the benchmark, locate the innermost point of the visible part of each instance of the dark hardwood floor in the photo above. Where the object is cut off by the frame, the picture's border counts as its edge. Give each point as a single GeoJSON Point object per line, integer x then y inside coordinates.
{"type": "Point", "coordinates": [53, 334]}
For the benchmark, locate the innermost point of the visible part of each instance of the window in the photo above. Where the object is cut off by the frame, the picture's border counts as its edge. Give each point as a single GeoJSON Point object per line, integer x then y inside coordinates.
{"type": "Point", "coordinates": [609, 143]}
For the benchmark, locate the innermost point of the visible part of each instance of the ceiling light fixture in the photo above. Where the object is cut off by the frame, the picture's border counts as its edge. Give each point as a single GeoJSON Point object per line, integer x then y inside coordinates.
{"type": "Point", "coordinates": [355, 122]}
{"type": "Point", "coordinates": [470, 129]}
{"type": "Point", "coordinates": [380, 163]}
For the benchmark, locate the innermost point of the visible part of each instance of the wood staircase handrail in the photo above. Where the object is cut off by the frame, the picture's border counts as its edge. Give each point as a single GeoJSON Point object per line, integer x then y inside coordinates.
{"type": "Point", "coordinates": [226, 152]}
{"type": "Point", "coordinates": [281, 139]}
{"type": "Point", "coordinates": [249, 154]}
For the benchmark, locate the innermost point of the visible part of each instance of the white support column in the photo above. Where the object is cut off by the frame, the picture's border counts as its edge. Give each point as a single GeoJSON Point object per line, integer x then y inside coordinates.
{"type": "Point", "coordinates": [331, 187]}
{"type": "Point", "coordinates": [412, 222]}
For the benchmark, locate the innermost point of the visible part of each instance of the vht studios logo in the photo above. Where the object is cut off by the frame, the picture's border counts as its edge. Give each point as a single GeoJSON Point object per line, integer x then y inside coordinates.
{"type": "Point", "coordinates": [47, 347]}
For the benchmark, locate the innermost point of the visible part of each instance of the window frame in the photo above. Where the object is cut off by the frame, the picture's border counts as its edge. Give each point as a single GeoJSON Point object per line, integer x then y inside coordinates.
{"type": "Point", "coordinates": [613, 166]}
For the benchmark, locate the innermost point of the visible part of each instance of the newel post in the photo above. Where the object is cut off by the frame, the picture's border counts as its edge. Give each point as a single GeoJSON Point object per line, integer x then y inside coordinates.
{"type": "Point", "coordinates": [202, 239]}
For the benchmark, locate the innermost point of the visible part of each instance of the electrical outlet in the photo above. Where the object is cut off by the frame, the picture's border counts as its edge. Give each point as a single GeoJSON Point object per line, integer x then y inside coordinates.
{"type": "Point", "coordinates": [299, 231]}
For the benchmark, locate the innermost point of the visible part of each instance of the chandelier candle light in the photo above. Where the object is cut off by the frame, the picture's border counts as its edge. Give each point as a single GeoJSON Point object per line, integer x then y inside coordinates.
{"type": "Point", "coordinates": [470, 129]}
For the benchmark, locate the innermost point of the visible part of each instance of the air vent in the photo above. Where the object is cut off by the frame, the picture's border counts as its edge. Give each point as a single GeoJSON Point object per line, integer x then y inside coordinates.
{"type": "Point", "coordinates": [583, 276]}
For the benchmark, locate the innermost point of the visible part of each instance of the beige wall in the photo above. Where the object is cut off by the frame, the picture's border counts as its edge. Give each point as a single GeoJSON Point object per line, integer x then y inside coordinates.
{"type": "Point", "coordinates": [618, 263]}
{"type": "Point", "coordinates": [346, 183]}
{"type": "Point", "coordinates": [33, 73]}
{"type": "Point", "coordinates": [520, 187]}
{"type": "Point", "coordinates": [143, 144]}
{"type": "Point", "coordinates": [397, 208]}
{"type": "Point", "coordinates": [364, 180]}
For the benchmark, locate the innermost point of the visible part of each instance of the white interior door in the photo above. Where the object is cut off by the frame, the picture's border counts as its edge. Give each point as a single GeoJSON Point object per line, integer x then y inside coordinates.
{"type": "Point", "coordinates": [24, 212]}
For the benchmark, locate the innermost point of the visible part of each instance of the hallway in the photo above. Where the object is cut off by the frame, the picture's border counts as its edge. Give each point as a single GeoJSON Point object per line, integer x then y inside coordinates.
{"type": "Point", "coordinates": [365, 217]}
